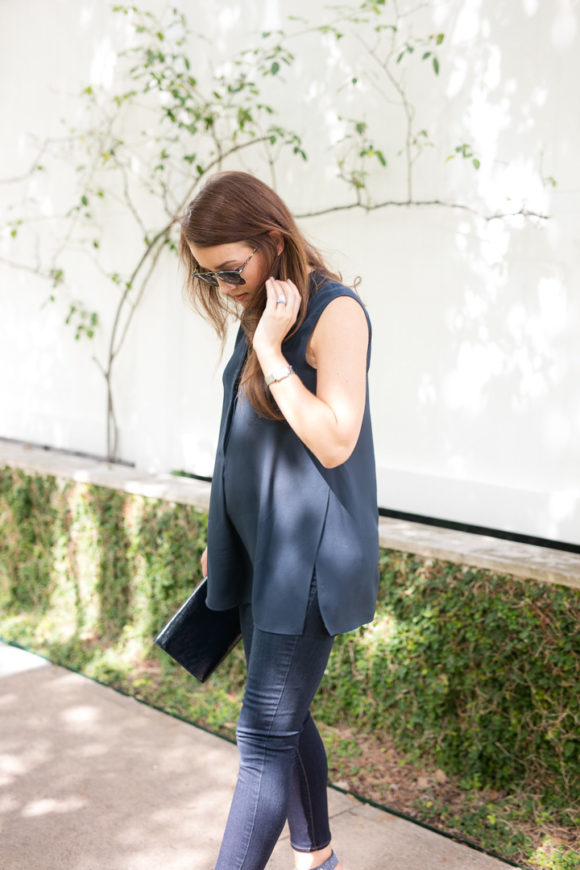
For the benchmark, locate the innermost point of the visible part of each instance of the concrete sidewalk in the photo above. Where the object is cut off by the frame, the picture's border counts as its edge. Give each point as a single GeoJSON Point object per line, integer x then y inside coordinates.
{"type": "Point", "coordinates": [93, 780]}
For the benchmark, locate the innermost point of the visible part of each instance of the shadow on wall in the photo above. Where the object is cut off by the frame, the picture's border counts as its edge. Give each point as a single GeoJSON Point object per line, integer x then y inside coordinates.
{"type": "Point", "coordinates": [475, 366]}
{"type": "Point", "coordinates": [476, 317]}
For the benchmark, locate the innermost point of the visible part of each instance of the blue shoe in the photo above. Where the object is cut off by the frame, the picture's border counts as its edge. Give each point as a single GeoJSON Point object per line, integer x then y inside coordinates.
{"type": "Point", "coordinates": [329, 864]}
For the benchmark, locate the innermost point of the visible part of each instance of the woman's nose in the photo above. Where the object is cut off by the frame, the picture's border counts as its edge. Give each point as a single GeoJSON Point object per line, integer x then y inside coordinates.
{"type": "Point", "coordinates": [225, 288]}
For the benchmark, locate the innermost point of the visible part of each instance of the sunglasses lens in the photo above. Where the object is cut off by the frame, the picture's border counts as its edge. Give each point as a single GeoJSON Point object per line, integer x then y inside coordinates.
{"type": "Point", "coordinates": [231, 278]}
{"type": "Point", "coordinates": [208, 278]}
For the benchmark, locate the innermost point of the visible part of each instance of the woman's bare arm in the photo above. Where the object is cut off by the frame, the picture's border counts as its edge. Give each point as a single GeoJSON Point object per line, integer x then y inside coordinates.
{"type": "Point", "coordinates": [329, 422]}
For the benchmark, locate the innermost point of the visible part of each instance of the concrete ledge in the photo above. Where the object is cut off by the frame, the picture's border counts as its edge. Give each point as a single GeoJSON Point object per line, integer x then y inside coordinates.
{"type": "Point", "coordinates": [482, 551]}
{"type": "Point", "coordinates": [479, 551]}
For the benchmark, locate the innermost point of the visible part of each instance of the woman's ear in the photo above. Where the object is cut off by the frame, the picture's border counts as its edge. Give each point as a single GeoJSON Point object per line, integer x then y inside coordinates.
{"type": "Point", "coordinates": [279, 239]}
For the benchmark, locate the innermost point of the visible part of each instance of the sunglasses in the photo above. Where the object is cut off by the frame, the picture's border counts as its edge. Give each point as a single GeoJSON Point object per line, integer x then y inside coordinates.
{"type": "Point", "coordinates": [232, 276]}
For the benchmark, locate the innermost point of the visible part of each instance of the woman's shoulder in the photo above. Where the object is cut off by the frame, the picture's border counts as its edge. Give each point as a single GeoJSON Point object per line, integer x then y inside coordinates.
{"type": "Point", "coordinates": [323, 286]}
{"type": "Point", "coordinates": [323, 291]}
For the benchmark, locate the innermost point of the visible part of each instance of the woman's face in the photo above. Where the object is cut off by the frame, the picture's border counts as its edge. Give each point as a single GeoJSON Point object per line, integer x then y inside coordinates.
{"type": "Point", "coordinates": [230, 257]}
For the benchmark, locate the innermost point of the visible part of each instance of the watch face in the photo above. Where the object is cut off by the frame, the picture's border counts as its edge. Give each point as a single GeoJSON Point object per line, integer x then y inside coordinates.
{"type": "Point", "coordinates": [278, 374]}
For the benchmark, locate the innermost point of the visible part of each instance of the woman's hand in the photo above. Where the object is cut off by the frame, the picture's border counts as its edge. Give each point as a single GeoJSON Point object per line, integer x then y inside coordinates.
{"type": "Point", "coordinates": [276, 321]}
{"type": "Point", "coordinates": [204, 563]}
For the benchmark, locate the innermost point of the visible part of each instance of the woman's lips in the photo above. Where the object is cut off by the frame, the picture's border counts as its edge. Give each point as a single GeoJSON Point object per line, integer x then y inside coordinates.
{"type": "Point", "coordinates": [240, 297]}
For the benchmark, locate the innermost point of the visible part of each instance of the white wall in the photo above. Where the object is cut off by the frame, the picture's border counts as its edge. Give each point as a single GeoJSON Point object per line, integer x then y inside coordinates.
{"type": "Point", "coordinates": [476, 322]}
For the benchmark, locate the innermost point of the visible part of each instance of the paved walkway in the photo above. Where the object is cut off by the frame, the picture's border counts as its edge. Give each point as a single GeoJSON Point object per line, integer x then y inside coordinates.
{"type": "Point", "coordinates": [93, 780]}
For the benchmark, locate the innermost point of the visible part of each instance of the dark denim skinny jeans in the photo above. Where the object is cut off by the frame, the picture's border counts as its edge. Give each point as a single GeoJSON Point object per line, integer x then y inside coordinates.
{"type": "Point", "coordinates": [283, 769]}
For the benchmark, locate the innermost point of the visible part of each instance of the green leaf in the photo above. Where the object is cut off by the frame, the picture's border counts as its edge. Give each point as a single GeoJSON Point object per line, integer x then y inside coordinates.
{"type": "Point", "coordinates": [476, 163]}
{"type": "Point", "coordinates": [57, 276]}
{"type": "Point", "coordinates": [440, 38]}
{"type": "Point", "coordinates": [84, 199]}
{"type": "Point", "coordinates": [436, 66]}
{"type": "Point", "coordinates": [275, 68]}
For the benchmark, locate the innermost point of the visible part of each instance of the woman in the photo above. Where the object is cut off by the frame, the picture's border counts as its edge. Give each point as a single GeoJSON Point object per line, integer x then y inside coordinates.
{"type": "Point", "coordinates": [292, 532]}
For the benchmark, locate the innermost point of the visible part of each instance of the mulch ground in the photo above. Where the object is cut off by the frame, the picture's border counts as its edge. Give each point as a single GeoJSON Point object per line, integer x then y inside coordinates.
{"type": "Point", "coordinates": [380, 774]}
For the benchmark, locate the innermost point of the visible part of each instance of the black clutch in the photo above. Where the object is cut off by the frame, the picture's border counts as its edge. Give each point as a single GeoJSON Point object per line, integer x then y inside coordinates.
{"type": "Point", "coordinates": [199, 638]}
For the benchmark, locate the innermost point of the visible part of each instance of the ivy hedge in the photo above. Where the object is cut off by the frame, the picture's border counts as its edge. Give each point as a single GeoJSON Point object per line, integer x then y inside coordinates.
{"type": "Point", "coordinates": [476, 671]}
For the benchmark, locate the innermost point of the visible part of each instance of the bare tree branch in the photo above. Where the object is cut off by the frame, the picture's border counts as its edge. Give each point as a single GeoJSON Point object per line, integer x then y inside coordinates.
{"type": "Point", "coordinates": [422, 203]}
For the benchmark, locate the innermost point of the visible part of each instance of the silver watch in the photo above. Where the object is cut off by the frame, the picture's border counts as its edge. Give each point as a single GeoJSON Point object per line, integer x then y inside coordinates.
{"type": "Point", "coordinates": [278, 374]}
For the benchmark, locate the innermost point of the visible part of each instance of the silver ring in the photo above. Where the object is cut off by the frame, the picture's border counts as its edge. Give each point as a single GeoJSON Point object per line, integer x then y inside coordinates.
{"type": "Point", "coordinates": [281, 300]}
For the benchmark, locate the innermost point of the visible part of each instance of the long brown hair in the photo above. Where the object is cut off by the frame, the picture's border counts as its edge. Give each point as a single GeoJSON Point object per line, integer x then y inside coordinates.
{"type": "Point", "coordinates": [237, 207]}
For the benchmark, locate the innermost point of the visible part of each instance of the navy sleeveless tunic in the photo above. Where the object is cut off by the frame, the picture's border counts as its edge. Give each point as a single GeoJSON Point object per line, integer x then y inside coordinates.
{"type": "Point", "coordinates": [277, 515]}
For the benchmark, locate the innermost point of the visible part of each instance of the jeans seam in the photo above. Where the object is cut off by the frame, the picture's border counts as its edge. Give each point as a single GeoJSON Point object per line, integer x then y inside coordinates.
{"type": "Point", "coordinates": [307, 788]}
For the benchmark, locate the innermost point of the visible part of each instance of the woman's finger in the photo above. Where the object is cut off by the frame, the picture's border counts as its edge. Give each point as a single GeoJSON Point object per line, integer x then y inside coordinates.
{"type": "Point", "coordinates": [270, 293]}
{"type": "Point", "coordinates": [277, 290]}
